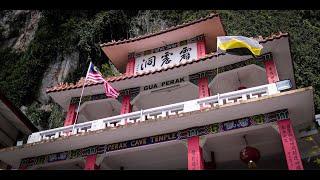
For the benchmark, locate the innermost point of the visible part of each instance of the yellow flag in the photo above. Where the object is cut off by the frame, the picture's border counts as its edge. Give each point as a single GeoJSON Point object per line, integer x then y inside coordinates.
{"type": "Point", "coordinates": [239, 44]}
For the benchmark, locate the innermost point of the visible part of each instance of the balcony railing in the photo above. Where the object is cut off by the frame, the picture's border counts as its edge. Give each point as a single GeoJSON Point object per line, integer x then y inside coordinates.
{"type": "Point", "coordinates": [162, 111]}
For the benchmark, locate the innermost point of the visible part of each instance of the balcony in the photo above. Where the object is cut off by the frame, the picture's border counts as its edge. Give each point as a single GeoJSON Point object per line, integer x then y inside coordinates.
{"type": "Point", "coordinates": [166, 111]}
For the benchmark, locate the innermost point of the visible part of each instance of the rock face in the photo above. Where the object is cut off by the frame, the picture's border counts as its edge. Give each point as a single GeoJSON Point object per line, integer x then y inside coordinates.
{"type": "Point", "coordinates": [147, 22]}
{"type": "Point", "coordinates": [17, 28]}
{"type": "Point", "coordinates": [57, 72]}
{"type": "Point", "coordinates": [28, 32]}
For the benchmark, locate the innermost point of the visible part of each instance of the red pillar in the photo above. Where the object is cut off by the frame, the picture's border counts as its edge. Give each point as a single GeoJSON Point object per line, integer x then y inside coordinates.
{"type": "Point", "coordinates": [195, 154]}
{"type": "Point", "coordinates": [130, 66]}
{"type": "Point", "coordinates": [90, 162]}
{"type": "Point", "coordinates": [71, 115]}
{"type": "Point", "coordinates": [195, 158]}
{"type": "Point", "coordinates": [201, 48]}
{"type": "Point", "coordinates": [126, 106]}
{"type": "Point", "coordinates": [271, 71]}
{"type": "Point", "coordinates": [203, 87]}
{"type": "Point", "coordinates": [288, 138]}
{"type": "Point", "coordinates": [203, 81]}
{"type": "Point", "coordinates": [290, 145]}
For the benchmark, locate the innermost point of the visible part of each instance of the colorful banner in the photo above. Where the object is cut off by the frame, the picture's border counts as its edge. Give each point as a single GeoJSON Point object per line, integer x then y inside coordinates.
{"type": "Point", "coordinates": [179, 135]}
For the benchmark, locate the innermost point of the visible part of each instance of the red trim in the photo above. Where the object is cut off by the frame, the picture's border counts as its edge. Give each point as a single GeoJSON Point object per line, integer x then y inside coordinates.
{"type": "Point", "coordinates": [90, 162]}
{"type": "Point", "coordinates": [130, 66]}
{"type": "Point", "coordinates": [71, 115]}
{"type": "Point", "coordinates": [195, 159]}
{"type": "Point", "coordinates": [201, 49]}
{"type": "Point", "coordinates": [271, 71]}
{"type": "Point", "coordinates": [203, 87]}
{"type": "Point", "coordinates": [290, 146]}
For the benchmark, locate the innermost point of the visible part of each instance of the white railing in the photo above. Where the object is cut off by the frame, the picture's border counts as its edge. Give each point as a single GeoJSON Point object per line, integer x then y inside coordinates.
{"type": "Point", "coordinates": [162, 111]}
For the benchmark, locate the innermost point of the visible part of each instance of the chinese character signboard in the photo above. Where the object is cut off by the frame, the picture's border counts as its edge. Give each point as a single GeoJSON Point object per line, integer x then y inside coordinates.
{"type": "Point", "coordinates": [194, 154]}
{"type": "Point", "coordinates": [290, 145]}
{"type": "Point", "coordinates": [168, 55]}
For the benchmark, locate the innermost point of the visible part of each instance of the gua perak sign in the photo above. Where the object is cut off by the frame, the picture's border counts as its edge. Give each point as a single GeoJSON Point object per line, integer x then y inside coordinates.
{"type": "Point", "coordinates": [165, 84]}
{"type": "Point", "coordinates": [165, 56]}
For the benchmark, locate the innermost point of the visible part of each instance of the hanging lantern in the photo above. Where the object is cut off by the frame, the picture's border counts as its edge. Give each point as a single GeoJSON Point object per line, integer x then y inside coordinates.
{"type": "Point", "coordinates": [250, 155]}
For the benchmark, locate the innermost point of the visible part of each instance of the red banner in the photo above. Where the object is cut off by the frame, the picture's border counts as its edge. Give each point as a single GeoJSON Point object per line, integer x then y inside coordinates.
{"type": "Point", "coordinates": [290, 146]}
{"type": "Point", "coordinates": [271, 71]}
{"type": "Point", "coordinates": [195, 160]}
{"type": "Point", "coordinates": [201, 49]}
{"type": "Point", "coordinates": [130, 66]}
{"type": "Point", "coordinates": [126, 106]}
{"type": "Point", "coordinates": [203, 87]}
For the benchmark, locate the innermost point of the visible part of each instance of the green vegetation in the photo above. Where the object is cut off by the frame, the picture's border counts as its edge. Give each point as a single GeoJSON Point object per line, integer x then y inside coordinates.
{"type": "Point", "coordinates": [304, 30]}
{"type": "Point", "coordinates": [63, 32]}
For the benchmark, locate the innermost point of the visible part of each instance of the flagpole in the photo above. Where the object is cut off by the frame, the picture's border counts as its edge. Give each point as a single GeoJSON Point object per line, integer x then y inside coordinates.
{"type": "Point", "coordinates": [77, 113]}
{"type": "Point", "coordinates": [217, 73]}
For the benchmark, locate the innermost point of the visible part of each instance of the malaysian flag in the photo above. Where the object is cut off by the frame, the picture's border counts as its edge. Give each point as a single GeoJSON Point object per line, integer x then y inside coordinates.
{"type": "Point", "coordinates": [95, 76]}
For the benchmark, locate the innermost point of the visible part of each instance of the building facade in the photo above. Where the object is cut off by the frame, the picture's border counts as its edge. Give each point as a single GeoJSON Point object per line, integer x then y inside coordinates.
{"type": "Point", "coordinates": [15, 127]}
{"type": "Point", "coordinates": [182, 106]}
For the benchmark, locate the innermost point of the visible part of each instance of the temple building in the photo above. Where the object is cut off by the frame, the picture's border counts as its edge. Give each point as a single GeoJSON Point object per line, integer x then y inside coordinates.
{"type": "Point", "coordinates": [182, 106]}
{"type": "Point", "coordinates": [15, 127]}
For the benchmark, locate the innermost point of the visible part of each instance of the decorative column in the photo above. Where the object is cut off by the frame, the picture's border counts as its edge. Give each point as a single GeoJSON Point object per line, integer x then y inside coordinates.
{"type": "Point", "coordinates": [125, 97]}
{"type": "Point", "coordinates": [71, 115]}
{"type": "Point", "coordinates": [131, 64]}
{"type": "Point", "coordinates": [290, 145]}
{"type": "Point", "coordinates": [202, 80]}
{"type": "Point", "coordinates": [195, 157]}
